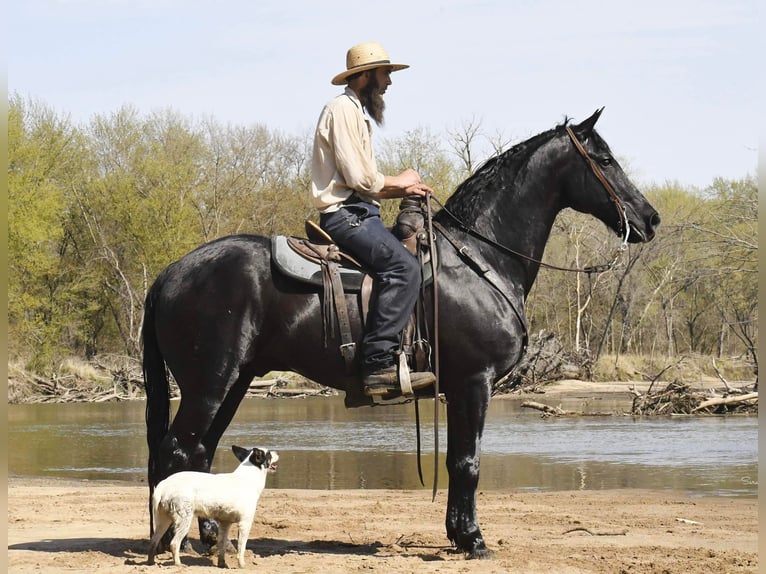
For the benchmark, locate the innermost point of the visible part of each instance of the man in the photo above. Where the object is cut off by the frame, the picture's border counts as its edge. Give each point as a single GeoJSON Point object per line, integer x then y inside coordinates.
{"type": "Point", "coordinates": [347, 188]}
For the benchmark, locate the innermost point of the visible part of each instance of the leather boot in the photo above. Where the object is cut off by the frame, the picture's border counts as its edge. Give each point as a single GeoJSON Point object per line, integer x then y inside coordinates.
{"type": "Point", "coordinates": [386, 380]}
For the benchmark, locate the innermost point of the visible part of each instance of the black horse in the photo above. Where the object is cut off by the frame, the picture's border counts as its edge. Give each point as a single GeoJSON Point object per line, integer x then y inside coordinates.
{"type": "Point", "coordinates": [224, 314]}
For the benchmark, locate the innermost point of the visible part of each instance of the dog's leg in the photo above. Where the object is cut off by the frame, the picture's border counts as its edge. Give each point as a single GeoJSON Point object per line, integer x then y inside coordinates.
{"type": "Point", "coordinates": [162, 522]}
{"type": "Point", "coordinates": [182, 521]}
{"type": "Point", "coordinates": [223, 542]}
{"type": "Point", "coordinates": [242, 535]}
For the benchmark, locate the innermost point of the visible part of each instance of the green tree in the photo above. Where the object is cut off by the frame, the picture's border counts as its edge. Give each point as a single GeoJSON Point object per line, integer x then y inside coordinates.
{"type": "Point", "coordinates": [730, 229]}
{"type": "Point", "coordinates": [45, 156]}
{"type": "Point", "coordinates": [132, 215]}
{"type": "Point", "coordinates": [255, 180]}
{"type": "Point", "coordinates": [421, 150]}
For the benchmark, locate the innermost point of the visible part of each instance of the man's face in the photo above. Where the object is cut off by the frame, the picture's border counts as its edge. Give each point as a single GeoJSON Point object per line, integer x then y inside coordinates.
{"type": "Point", "coordinates": [371, 94]}
{"type": "Point", "coordinates": [381, 79]}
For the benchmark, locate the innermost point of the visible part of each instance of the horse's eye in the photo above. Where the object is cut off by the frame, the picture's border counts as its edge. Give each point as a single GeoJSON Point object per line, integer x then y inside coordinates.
{"type": "Point", "coordinates": [605, 161]}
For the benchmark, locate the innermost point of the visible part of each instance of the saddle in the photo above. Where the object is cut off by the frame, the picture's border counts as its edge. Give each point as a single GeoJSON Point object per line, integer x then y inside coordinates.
{"type": "Point", "coordinates": [318, 261]}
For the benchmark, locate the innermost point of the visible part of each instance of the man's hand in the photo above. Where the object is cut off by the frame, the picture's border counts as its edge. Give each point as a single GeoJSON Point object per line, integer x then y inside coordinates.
{"type": "Point", "coordinates": [413, 185]}
{"type": "Point", "coordinates": [406, 183]}
{"type": "Point", "coordinates": [420, 189]}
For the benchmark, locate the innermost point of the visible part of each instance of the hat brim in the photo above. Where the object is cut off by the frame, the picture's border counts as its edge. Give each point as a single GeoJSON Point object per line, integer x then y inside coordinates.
{"type": "Point", "coordinates": [340, 79]}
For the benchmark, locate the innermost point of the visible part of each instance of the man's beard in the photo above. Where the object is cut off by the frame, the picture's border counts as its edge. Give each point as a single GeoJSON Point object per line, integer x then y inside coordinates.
{"type": "Point", "coordinates": [372, 100]}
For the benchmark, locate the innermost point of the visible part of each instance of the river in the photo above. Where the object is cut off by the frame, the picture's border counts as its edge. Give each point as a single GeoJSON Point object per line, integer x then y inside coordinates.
{"type": "Point", "coordinates": [323, 445]}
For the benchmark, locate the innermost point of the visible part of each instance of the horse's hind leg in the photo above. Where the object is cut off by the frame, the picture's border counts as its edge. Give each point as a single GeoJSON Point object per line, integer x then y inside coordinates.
{"type": "Point", "coordinates": [202, 417]}
{"type": "Point", "coordinates": [182, 449]}
{"type": "Point", "coordinates": [208, 529]}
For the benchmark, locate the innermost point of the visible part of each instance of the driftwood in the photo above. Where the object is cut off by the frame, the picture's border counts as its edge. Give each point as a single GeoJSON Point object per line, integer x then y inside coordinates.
{"type": "Point", "coordinates": [687, 521]}
{"type": "Point", "coordinates": [596, 532]}
{"type": "Point", "coordinates": [287, 388]}
{"type": "Point", "coordinates": [547, 410]}
{"type": "Point", "coordinates": [748, 398]}
{"type": "Point", "coordinates": [31, 388]}
{"type": "Point", "coordinates": [678, 398]}
{"type": "Point", "coordinates": [119, 378]}
{"type": "Point", "coordinates": [545, 361]}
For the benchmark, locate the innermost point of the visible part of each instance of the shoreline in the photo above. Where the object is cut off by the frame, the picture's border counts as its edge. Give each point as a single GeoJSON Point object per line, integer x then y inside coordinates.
{"type": "Point", "coordinates": [564, 388]}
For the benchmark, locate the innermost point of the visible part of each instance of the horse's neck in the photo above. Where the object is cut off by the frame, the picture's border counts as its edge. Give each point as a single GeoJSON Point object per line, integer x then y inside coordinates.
{"type": "Point", "coordinates": [521, 220]}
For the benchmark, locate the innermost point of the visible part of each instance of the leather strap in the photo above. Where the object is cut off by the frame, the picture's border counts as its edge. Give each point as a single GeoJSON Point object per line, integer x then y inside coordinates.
{"type": "Point", "coordinates": [335, 300]}
{"type": "Point", "coordinates": [347, 347]}
{"type": "Point", "coordinates": [607, 186]}
{"type": "Point", "coordinates": [489, 275]}
{"type": "Point", "coordinates": [432, 248]}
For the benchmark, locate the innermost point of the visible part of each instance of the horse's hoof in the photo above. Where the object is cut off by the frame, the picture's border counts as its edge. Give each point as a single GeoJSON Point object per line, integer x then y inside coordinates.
{"type": "Point", "coordinates": [472, 547]}
{"type": "Point", "coordinates": [208, 534]}
{"type": "Point", "coordinates": [480, 554]}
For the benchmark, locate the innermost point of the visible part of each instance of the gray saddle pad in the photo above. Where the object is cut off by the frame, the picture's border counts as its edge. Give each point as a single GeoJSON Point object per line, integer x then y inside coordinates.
{"type": "Point", "coordinates": [298, 267]}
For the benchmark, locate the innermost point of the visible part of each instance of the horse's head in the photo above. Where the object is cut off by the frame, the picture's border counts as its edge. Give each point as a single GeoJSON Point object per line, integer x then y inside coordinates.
{"type": "Point", "coordinates": [596, 184]}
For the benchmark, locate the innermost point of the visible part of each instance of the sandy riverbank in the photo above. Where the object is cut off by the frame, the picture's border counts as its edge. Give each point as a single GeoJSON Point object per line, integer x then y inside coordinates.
{"type": "Point", "coordinates": [58, 526]}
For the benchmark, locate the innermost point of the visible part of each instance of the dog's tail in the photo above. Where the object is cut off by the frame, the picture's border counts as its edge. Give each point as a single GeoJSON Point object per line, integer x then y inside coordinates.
{"type": "Point", "coordinates": [157, 395]}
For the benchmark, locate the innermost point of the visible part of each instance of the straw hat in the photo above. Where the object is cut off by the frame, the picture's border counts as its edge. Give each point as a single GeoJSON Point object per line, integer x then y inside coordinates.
{"type": "Point", "coordinates": [365, 57]}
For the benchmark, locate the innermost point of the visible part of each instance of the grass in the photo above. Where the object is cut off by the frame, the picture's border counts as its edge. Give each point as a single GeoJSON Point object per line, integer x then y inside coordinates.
{"type": "Point", "coordinates": [688, 368]}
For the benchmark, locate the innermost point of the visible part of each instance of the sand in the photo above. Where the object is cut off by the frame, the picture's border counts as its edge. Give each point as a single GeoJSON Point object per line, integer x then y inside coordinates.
{"type": "Point", "coordinates": [58, 526]}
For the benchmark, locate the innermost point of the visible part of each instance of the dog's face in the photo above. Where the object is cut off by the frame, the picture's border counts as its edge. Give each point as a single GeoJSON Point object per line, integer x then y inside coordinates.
{"type": "Point", "coordinates": [260, 457]}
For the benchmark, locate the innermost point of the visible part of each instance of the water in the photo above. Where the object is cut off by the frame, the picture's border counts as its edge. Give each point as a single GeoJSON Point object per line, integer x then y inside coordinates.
{"type": "Point", "coordinates": [323, 445]}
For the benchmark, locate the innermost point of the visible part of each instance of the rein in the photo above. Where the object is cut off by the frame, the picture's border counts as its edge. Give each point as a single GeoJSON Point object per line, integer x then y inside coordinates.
{"type": "Point", "coordinates": [489, 276]}
{"type": "Point", "coordinates": [432, 247]}
{"type": "Point", "coordinates": [624, 226]}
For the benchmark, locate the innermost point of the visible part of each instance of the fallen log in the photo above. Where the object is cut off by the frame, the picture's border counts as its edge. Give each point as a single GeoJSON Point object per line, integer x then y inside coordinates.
{"type": "Point", "coordinates": [717, 401]}
{"type": "Point", "coordinates": [263, 383]}
{"type": "Point", "coordinates": [547, 409]}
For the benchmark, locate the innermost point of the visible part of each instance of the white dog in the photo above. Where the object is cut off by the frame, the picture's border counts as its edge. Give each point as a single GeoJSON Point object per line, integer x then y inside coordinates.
{"type": "Point", "coordinates": [228, 498]}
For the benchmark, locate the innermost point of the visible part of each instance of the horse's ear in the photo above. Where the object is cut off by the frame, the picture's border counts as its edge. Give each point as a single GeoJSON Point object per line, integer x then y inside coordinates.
{"type": "Point", "coordinates": [240, 453]}
{"type": "Point", "coordinates": [585, 127]}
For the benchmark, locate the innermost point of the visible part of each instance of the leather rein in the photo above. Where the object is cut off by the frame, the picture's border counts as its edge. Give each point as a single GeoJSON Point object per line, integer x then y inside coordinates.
{"type": "Point", "coordinates": [624, 226]}
{"type": "Point", "coordinates": [489, 276]}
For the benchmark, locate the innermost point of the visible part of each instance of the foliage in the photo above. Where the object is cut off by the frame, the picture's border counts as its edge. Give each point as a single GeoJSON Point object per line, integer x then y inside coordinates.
{"type": "Point", "coordinates": [421, 150]}
{"type": "Point", "coordinates": [96, 211]}
{"type": "Point", "coordinates": [45, 154]}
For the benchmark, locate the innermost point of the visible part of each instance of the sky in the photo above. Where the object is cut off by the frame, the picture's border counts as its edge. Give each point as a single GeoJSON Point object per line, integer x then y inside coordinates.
{"type": "Point", "coordinates": [679, 79]}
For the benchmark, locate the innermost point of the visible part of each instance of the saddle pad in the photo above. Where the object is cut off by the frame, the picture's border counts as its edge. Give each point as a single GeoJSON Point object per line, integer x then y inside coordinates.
{"type": "Point", "coordinates": [294, 265]}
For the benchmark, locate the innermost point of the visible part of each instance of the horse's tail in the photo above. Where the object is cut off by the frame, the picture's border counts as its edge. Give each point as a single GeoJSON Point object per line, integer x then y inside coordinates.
{"type": "Point", "coordinates": [157, 396]}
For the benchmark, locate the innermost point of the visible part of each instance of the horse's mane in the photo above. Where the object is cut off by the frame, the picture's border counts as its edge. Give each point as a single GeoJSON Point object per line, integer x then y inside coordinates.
{"type": "Point", "coordinates": [499, 171]}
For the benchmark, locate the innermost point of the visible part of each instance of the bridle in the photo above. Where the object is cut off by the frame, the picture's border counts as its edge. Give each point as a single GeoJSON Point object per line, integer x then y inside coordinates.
{"type": "Point", "coordinates": [619, 205]}
{"type": "Point", "coordinates": [624, 225]}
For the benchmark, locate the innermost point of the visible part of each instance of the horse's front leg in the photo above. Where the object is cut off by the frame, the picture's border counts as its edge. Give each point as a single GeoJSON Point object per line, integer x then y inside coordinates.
{"type": "Point", "coordinates": [466, 411]}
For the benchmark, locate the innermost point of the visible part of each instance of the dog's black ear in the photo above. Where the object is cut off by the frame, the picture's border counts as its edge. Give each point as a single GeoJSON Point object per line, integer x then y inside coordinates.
{"type": "Point", "coordinates": [258, 457]}
{"type": "Point", "coordinates": [240, 453]}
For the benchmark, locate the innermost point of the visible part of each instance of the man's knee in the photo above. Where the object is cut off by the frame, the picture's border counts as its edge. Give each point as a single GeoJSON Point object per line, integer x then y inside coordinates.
{"type": "Point", "coordinates": [405, 266]}
{"type": "Point", "coordinates": [413, 269]}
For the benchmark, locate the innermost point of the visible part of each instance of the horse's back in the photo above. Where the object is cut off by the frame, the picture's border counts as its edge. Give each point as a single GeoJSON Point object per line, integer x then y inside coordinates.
{"type": "Point", "coordinates": [235, 257]}
{"type": "Point", "coordinates": [224, 306]}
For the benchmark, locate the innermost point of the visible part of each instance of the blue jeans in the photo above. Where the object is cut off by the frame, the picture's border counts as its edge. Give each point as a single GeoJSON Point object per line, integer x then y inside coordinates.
{"type": "Point", "coordinates": [357, 228]}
